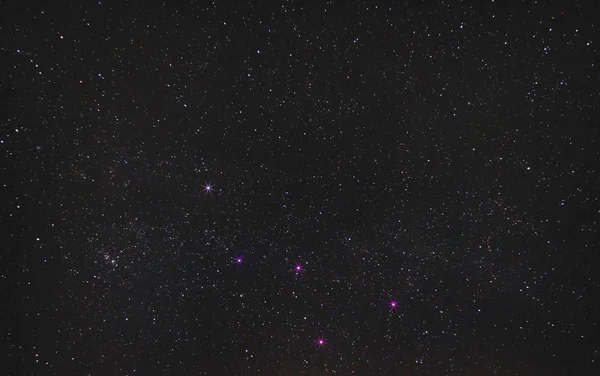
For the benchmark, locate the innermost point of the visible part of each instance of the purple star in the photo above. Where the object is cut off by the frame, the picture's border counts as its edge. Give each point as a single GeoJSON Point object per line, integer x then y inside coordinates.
{"type": "Point", "coordinates": [208, 188]}
{"type": "Point", "coordinates": [239, 260]}
{"type": "Point", "coordinates": [321, 342]}
{"type": "Point", "coordinates": [393, 304]}
{"type": "Point", "coordinates": [299, 269]}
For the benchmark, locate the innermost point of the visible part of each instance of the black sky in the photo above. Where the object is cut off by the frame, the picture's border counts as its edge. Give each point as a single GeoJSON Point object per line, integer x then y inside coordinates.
{"type": "Point", "coordinates": [431, 169]}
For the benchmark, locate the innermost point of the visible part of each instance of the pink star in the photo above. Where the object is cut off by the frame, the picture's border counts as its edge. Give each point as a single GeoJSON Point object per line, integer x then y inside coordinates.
{"type": "Point", "coordinates": [299, 269]}
{"type": "Point", "coordinates": [393, 304]}
{"type": "Point", "coordinates": [321, 342]}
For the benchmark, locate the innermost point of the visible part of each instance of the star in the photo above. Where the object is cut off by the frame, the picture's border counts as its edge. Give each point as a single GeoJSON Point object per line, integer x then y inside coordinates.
{"type": "Point", "coordinates": [299, 269]}
{"type": "Point", "coordinates": [208, 188]}
{"type": "Point", "coordinates": [393, 304]}
{"type": "Point", "coordinates": [321, 342]}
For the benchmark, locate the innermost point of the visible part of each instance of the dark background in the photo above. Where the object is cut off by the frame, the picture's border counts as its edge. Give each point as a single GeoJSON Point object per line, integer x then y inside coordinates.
{"type": "Point", "coordinates": [441, 155]}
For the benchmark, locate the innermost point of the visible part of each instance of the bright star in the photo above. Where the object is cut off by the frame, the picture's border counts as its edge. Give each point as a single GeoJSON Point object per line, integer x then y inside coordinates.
{"type": "Point", "coordinates": [393, 304]}
{"type": "Point", "coordinates": [299, 269]}
{"type": "Point", "coordinates": [208, 188]}
{"type": "Point", "coordinates": [321, 342]}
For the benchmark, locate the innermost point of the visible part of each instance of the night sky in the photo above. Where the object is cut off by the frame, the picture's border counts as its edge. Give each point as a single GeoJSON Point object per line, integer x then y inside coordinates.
{"type": "Point", "coordinates": [299, 188]}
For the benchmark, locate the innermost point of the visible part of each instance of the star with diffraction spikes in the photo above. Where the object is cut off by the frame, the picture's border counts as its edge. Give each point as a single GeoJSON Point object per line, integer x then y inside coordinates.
{"type": "Point", "coordinates": [208, 188]}
{"type": "Point", "coordinates": [393, 304]}
{"type": "Point", "coordinates": [298, 269]}
{"type": "Point", "coordinates": [321, 342]}
{"type": "Point", "coordinates": [238, 261]}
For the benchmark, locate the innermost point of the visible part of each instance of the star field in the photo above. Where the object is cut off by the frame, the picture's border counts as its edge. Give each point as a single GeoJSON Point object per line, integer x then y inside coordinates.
{"type": "Point", "coordinates": [298, 188]}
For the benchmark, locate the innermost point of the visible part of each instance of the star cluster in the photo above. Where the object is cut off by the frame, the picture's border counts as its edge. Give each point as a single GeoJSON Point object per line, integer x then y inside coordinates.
{"type": "Point", "coordinates": [240, 188]}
